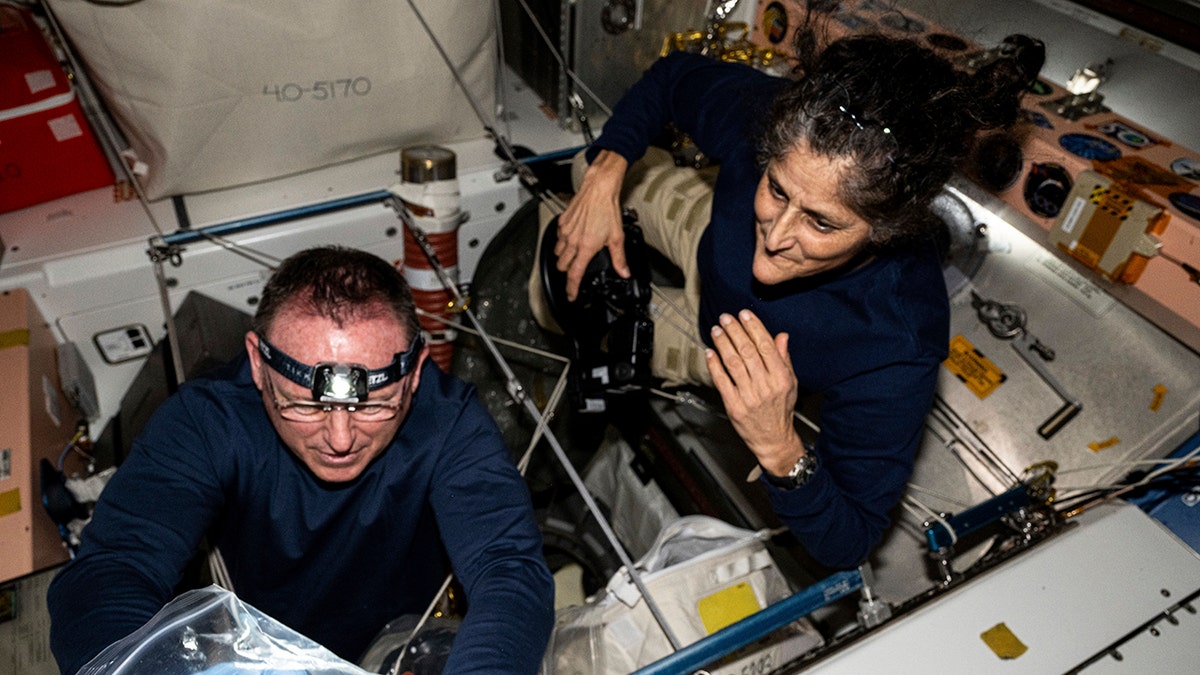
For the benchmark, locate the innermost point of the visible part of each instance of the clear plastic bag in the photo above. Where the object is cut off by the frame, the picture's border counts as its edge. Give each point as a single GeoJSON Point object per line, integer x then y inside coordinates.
{"type": "Point", "coordinates": [211, 631]}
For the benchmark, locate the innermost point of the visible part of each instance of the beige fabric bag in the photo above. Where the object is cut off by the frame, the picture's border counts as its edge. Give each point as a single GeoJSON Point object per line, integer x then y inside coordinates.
{"type": "Point", "coordinates": [698, 571]}
{"type": "Point", "coordinates": [218, 93]}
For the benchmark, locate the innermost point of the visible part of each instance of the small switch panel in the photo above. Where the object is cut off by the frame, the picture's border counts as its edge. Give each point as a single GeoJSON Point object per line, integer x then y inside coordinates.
{"type": "Point", "coordinates": [124, 344]}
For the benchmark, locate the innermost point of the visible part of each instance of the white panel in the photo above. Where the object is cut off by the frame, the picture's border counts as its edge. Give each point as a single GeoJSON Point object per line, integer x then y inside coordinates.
{"type": "Point", "coordinates": [1066, 600]}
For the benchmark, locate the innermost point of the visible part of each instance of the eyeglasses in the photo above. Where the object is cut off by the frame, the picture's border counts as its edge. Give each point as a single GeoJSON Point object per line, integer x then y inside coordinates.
{"type": "Point", "coordinates": [318, 411]}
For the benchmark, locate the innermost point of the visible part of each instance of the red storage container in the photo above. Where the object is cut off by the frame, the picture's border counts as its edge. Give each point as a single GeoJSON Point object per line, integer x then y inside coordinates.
{"type": "Point", "coordinates": [47, 149]}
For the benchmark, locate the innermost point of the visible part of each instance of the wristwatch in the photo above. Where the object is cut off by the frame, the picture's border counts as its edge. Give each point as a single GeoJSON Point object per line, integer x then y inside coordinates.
{"type": "Point", "coordinates": [800, 473]}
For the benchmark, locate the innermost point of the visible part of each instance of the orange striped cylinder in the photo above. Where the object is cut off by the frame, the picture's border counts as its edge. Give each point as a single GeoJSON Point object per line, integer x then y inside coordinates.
{"type": "Point", "coordinates": [429, 194]}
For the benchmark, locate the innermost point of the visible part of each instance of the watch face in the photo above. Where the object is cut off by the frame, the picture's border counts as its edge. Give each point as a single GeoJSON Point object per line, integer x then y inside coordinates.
{"type": "Point", "coordinates": [803, 470]}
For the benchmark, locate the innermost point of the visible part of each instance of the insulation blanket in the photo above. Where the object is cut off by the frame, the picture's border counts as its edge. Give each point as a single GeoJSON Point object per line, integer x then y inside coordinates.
{"type": "Point", "coordinates": [225, 92]}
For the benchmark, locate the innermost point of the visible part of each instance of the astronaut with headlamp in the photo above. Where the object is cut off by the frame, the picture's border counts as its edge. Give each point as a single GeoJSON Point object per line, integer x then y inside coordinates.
{"type": "Point", "coordinates": [339, 494]}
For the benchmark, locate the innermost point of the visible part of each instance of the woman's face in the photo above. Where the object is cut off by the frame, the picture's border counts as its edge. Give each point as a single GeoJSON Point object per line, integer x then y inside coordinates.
{"type": "Point", "coordinates": [802, 227]}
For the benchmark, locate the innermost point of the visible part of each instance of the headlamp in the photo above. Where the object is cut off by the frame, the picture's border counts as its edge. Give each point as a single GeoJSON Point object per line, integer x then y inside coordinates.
{"type": "Point", "coordinates": [339, 382]}
{"type": "Point", "coordinates": [342, 382]}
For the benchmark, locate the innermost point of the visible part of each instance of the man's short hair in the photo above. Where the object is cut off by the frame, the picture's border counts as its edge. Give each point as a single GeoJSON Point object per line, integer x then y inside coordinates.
{"type": "Point", "coordinates": [337, 283]}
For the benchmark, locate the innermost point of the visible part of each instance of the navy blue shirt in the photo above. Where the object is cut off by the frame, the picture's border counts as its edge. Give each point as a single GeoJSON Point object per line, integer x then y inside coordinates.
{"type": "Point", "coordinates": [333, 561]}
{"type": "Point", "coordinates": [869, 340]}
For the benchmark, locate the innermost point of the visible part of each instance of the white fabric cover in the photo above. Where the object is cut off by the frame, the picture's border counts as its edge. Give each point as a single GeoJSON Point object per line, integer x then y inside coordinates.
{"type": "Point", "coordinates": [224, 92]}
{"type": "Point", "coordinates": [638, 511]}
{"type": "Point", "coordinates": [695, 556]}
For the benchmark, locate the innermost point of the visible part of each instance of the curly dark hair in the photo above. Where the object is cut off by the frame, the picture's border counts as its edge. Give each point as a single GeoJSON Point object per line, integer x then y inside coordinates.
{"type": "Point", "coordinates": [903, 114]}
{"type": "Point", "coordinates": [338, 283]}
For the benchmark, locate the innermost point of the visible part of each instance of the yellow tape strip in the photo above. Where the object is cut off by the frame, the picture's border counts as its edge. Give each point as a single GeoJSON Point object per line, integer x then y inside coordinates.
{"type": "Point", "coordinates": [18, 337]}
{"type": "Point", "coordinates": [10, 501]}
{"type": "Point", "coordinates": [1160, 394]}
{"type": "Point", "coordinates": [1097, 446]}
{"type": "Point", "coordinates": [1003, 642]}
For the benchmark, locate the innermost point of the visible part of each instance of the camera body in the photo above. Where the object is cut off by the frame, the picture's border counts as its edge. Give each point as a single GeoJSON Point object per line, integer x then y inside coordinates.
{"type": "Point", "coordinates": [608, 323]}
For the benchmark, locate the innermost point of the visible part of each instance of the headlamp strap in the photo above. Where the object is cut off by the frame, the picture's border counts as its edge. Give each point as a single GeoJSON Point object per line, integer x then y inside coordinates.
{"type": "Point", "coordinates": [303, 374]}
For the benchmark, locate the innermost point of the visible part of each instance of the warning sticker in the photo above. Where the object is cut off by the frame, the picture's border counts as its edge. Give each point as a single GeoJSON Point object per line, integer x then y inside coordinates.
{"type": "Point", "coordinates": [1003, 642]}
{"type": "Point", "coordinates": [728, 606]}
{"type": "Point", "coordinates": [973, 368]}
{"type": "Point", "coordinates": [10, 501]}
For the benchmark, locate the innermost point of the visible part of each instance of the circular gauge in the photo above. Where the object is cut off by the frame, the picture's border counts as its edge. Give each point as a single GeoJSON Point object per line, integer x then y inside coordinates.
{"type": "Point", "coordinates": [1186, 202]}
{"type": "Point", "coordinates": [1046, 189]}
{"type": "Point", "coordinates": [1038, 118]}
{"type": "Point", "coordinates": [618, 16]}
{"type": "Point", "coordinates": [997, 161]}
{"type": "Point", "coordinates": [775, 22]}
{"type": "Point", "coordinates": [1134, 139]}
{"type": "Point", "coordinates": [1187, 167]}
{"type": "Point", "coordinates": [1089, 147]}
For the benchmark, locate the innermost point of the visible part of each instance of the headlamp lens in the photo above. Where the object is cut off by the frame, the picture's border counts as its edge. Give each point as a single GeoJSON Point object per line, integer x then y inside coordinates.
{"type": "Point", "coordinates": [340, 382]}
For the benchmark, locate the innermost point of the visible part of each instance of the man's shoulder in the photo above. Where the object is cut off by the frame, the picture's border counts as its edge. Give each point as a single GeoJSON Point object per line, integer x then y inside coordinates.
{"type": "Point", "coordinates": [440, 387]}
{"type": "Point", "coordinates": [443, 402]}
{"type": "Point", "coordinates": [226, 391]}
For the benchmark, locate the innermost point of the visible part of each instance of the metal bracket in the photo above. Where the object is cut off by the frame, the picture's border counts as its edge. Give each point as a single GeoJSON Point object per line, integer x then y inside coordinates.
{"type": "Point", "coordinates": [1007, 322]}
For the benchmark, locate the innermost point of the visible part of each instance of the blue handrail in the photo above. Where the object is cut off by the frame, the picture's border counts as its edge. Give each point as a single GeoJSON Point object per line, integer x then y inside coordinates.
{"type": "Point", "coordinates": [235, 226]}
{"type": "Point", "coordinates": [243, 224]}
{"type": "Point", "coordinates": [756, 626]}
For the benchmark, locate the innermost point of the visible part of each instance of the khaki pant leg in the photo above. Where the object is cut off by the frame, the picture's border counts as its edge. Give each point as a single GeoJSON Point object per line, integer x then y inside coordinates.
{"type": "Point", "coordinates": [673, 206]}
{"type": "Point", "coordinates": [537, 299]}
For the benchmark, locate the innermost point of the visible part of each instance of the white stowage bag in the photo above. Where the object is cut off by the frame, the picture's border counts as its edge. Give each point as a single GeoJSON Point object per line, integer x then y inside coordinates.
{"type": "Point", "coordinates": [703, 575]}
{"type": "Point", "coordinates": [210, 631]}
{"type": "Point", "coordinates": [218, 93]}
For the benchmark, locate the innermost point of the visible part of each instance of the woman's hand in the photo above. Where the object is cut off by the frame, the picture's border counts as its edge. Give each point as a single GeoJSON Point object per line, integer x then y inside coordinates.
{"type": "Point", "coordinates": [593, 221]}
{"type": "Point", "coordinates": [753, 373]}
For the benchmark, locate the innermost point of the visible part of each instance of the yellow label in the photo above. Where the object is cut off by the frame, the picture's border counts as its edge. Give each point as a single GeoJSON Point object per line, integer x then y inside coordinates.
{"type": "Point", "coordinates": [971, 367]}
{"type": "Point", "coordinates": [1160, 393]}
{"type": "Point", "coordinates": [1003, 642]}
{"type": "Point", "coordinates": [10, 501]}
{"type": "Point", "coordinates": [727, 606]}
{"type": "Point", "coordinates": [18, 337]}
{"type": "Point", "coordinates": [1101, 445]}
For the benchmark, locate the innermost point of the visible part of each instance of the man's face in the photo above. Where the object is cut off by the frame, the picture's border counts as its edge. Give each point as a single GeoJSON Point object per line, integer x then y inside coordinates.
{"type": "Point", "coordinates": [335, 447]}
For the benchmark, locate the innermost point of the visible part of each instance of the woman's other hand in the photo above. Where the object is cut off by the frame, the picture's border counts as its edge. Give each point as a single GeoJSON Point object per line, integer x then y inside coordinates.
{"type": "Point", "coordinates": [753, 373]}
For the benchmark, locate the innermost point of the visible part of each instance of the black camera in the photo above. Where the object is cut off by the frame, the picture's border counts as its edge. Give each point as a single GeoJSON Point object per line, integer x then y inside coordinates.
{"type": "Point", "coordinates": [608, 323]}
